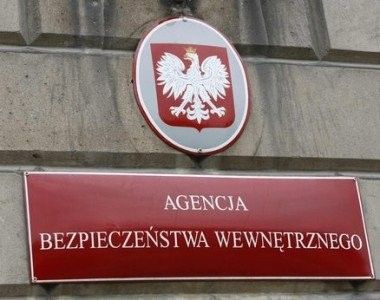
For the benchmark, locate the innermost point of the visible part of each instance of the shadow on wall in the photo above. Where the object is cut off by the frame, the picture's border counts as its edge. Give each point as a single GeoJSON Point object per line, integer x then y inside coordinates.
{"type": "Point", "coordinates": [181, 6]}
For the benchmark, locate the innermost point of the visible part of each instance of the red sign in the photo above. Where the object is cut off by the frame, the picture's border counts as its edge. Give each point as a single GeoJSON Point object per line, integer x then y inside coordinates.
{"type": "Point", "coordinates": [185, 114]}
{"type": "Point", "coordinates": [93, 227]}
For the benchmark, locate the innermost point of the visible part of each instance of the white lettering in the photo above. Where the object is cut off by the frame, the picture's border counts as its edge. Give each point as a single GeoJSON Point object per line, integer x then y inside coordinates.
{"type": "Point", "coordinates": [236, 237]}
{"type": "Point", "coordinates": [217, 198]}
{"type": "Point", "coordinates": [223, 241]}
{"type": "Point", "coordinates": [240, 203]}
{"type": "Point", "coordinates": [195, 204]}
{"type": "Point", "coordinates": [346, 244]}
{"type": "Point", "coordinates": [46, 243]}
{"type": "Point", "coordinates": [69, 245]}
{"type": "Point", "coordinates": [334, 241]}
{"type": "Point", "coordinates": [126, 240]}
{"type": "Point", "coordinates": [356, 242]}
{"type": "Point", "coordinates": [201, 202]}
{"type": "Point", "coordinates": [110, 239]}
{"type": "Point", "coordinates": [169, 202]}
{"type": "Point", "coordinates": [178, 202]}
{"type": "Point", "coordinates": [251, 240]}
{"type": "Point", "coordinates": [58, 240]}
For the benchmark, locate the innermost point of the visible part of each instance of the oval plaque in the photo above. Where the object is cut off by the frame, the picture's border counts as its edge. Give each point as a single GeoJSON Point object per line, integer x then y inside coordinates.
{"type": "Point", "coordinates": [191, 86]}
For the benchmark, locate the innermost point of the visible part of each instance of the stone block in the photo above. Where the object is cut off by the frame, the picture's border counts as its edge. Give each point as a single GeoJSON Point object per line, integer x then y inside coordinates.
{"type": "Point", "coordinates": [10, 23]}
{"type": "Point", "coordinates": [353, 29]}
{"type": "Point", "coordinates": [309, 111]}
{"type": "Point", "coordinates": [72, 102]}
{"type": "Point", "coordinates": [308, 117]}
{"type": "Point", "coordinates": [126, 21]}
{"type": "Point", "coordinates": [370, 193]}
{"type": "Point", "coordinates": [14, 261]}
{"type": "Point", "coordinates": [102, 24]}
{"type": "Point", "coordinates": [211, 289]}
{"type": "Point", "coordinates": [69, 23]}
{"type": "Point", "coordinates": [79, 101]}
{"type": "Point", "coordinates": [76, 109]}
{"type": "Point", "coordinates": [272, 28]}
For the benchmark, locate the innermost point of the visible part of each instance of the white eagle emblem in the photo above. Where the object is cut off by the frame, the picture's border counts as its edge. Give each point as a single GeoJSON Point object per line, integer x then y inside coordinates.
{"type": "Point", "coordinates": [197, 86]}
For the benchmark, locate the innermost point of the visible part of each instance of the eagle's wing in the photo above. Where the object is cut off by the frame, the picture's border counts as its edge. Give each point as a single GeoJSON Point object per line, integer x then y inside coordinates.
{"type": "Point", "coordinates": [170, 70]}
{"type": "Point", "coordinates": [214, 78]}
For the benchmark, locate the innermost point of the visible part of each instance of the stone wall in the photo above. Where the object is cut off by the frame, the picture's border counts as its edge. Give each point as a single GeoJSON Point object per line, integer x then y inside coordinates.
{"type": "Point", "coordinates": [68, 104]}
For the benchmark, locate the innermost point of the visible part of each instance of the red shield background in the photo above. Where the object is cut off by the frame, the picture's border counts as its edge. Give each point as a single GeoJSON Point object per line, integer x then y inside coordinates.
{"type": "Point", "coordinates": [164, 103]}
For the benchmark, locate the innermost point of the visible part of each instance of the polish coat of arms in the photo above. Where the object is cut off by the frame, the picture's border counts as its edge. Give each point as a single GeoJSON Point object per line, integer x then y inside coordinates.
{"type": "Point", "coordinates": [193, 85]}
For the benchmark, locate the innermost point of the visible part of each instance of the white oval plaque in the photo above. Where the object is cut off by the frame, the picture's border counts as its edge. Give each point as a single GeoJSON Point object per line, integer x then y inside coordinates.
{"type": "Point", "coordinates": [191, 86]}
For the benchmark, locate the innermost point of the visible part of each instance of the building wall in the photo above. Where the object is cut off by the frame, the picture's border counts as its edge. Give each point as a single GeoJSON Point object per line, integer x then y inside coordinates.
{"type": "Point", "coordinates": [67, 104]}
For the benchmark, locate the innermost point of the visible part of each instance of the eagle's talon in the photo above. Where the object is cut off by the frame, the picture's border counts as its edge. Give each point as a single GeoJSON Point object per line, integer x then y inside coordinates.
{"type": "Point", "coordinates": [177, 110]}
{"type": "Point", "coordinates": [220, 111]}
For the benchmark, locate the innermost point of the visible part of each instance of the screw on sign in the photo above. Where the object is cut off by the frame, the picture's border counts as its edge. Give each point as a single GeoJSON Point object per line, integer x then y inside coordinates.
{"type": "Point", "coordinates": [191, 86]}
